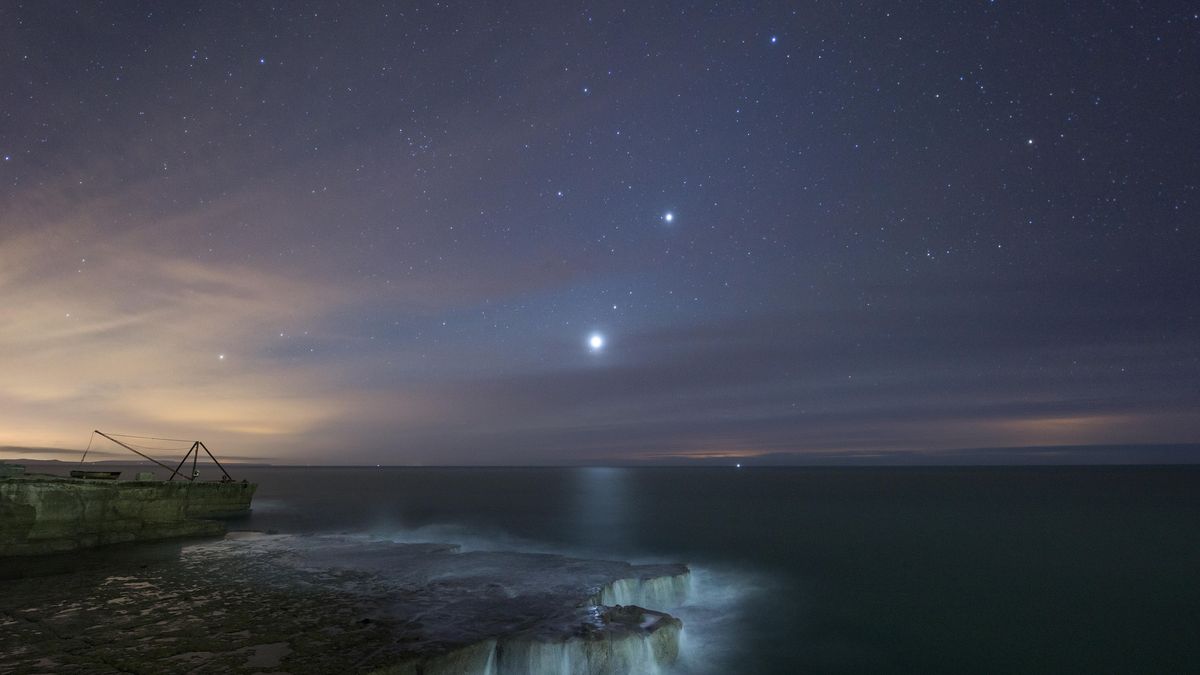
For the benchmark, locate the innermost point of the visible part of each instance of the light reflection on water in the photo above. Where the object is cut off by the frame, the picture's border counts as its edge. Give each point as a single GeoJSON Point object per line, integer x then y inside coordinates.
{"type": "Point", "coordinates": [603, 506]}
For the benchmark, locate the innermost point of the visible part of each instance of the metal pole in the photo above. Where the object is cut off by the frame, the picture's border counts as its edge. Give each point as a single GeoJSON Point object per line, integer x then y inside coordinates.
{"type": "Point", "coordinates": [135, 451]}
{"type": "Point", "coordinates": [185, 456]}
{"type": "Point", "coordinates": [89, 447]}
{"type": "Point", "coordinates": [214, 459]}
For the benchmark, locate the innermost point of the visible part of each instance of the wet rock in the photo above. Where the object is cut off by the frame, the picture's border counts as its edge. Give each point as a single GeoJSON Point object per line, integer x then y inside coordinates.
{"type": "Point", "coordinates": [336, 604]}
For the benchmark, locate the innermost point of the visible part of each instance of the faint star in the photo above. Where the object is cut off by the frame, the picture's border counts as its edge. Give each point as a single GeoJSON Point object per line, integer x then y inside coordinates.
{"type": "Point", "coordinates": [220, 357]}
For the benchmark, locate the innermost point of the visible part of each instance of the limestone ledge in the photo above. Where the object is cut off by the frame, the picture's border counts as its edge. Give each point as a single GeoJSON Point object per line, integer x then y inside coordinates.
{"type": "Point", "coordinates": [252, 603]}
{"type": "Point", "coordinates": [618, 641]}
{"type": "Point", "coordinates": [49, 514]}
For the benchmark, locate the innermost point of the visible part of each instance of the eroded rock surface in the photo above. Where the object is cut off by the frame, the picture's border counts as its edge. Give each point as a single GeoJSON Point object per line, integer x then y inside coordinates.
{"type": "Point", "coordinates": [46, 514]}
{"type": "Point", "coordinates": [282, 603]}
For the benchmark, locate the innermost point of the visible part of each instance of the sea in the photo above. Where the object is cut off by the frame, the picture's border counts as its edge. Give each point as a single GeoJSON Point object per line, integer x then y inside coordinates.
{"type": "Point", "coordinates": [832, 569]}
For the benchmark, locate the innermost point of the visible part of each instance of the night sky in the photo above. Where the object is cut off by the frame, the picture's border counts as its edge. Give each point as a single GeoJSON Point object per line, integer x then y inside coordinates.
{"type": "Point", "coordinates": [520, 232]}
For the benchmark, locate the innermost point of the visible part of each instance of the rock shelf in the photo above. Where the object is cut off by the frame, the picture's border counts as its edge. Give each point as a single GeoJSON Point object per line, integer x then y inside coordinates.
{"type": "Point", "coordinates": [42, 514]}
{"type": "Point", "coordinates": [254, 603]}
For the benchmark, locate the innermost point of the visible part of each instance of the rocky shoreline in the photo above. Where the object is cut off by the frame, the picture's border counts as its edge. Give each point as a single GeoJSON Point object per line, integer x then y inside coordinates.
{"type": "Point", "coordinates": [255, 603]}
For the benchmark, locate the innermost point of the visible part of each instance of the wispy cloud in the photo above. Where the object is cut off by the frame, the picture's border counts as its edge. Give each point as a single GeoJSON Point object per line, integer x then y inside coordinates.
{"type": "Point", "coordinates": [124, 336]}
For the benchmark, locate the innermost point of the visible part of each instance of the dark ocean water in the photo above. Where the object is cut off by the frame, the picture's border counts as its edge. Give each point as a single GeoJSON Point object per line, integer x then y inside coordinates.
{"type": "Point", "coordinates": [886, 570]}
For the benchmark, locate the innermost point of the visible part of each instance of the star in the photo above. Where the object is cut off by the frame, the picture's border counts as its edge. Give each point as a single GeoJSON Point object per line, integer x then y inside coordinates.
{"type": "Point", "coordinates": [668, 217]}
{"type": "Point", "coordinates": [220, 357]}
{"type": "Point", "coordinates": [774, 39]}
{"type": "Point", "coordinates": [596, 342]}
